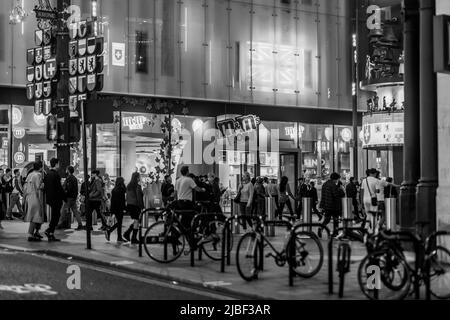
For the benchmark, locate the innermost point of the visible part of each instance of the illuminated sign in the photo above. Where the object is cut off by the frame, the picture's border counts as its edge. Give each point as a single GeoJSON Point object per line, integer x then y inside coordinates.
{"type": "Point", "coordinates": [16, 116]}
{"type": "Point", "coordinates": [292, 131]}
{"type": "Point", "coordinates": [19, 133]}
{"type": "Point", "coordinates": [19, 157]}
{"type": "Point", "coordinates": [346, 134]}
{"type": "Point", "coordinates": [135, 122]}
{"type": "Point", "coordinates": [240, 124]}
{"type": "Point", "coordinates": [383, 130]}
{"type": "Point", "coordinates": [40, 120]}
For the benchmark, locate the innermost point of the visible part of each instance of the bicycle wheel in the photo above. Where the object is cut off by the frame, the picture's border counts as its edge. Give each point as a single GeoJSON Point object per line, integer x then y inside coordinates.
{"type": "Point", "coordinates": [212, 242]}
{"type": "Point", "coordinates": [164, 243]}
{"type": "Point", "coordinates": [440, 273]}
{"type": "Point", "coordinates": [247, 256]}
{"type": "Point", "coordinates": [308, 254]}
{"type": "Point", "coordinates": [392, 274]}
{"type": "Point", "coordinates": [375, 271]}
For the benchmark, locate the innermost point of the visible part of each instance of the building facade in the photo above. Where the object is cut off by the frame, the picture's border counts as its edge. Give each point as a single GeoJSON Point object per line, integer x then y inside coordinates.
{"type": "Point", "coordinates": [287, 62]}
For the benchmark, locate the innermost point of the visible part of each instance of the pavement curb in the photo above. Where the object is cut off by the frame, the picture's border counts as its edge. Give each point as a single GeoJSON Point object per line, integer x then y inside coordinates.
{"type": "Point", "coordinates": [183, 281]}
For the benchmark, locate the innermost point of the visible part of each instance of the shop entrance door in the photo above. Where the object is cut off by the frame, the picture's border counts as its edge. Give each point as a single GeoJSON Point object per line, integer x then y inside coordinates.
{"type": "Point", "coordinates": [289, 168]}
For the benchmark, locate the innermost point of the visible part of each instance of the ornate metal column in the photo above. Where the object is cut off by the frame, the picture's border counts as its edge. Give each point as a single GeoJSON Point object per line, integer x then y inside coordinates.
{"type": "Point", "coordinates": [428, 183]}
{"type": "Point", "coordinates": [62, 98]}
{"type": "Point", "coordinates": [411, 155]}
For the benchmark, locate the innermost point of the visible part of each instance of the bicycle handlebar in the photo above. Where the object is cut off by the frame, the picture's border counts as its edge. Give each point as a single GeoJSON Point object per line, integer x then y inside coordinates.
{"type": "Point", "coordinates": [399, 235]}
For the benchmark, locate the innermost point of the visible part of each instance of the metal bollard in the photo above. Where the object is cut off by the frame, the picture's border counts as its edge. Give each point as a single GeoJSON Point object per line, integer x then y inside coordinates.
{"type": "Point", "coordinates": [270, 216]}
{"type": "Point", "coordinates": [347, 210]}
{"type": "Point", "coordinates": [235, 212]}
{"type": "Point", "coordinates": [48, 210]}
{"type": "Point", "coordinates": [94, 218]}
{"type": "Point", "coordinates": [307, 212]}
{"type": "Point", "coordinates": [391, 213]}
{"type": "Point", "coordinates": [8, 200]}
{"type": "Point", "coordinates": [145, 219]}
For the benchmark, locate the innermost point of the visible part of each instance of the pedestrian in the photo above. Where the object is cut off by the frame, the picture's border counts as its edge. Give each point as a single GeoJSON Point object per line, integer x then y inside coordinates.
{"type": "Point", "coordinates": [390, 191]}
{"type": "Point", "coordinates": [259, 198]}
{"type": "Point", "coordinates": [95, 198]}
{"type": "Point", "coordinates": [7, 188]}
{"type": "Point", "coordinates": [215, 194]}
{"type": "Point", "coordinates": [54, 197]}
{"type": "Point", "coordinates": [312, 193]}
{"type": "Point", "coordinates": [16, 193]}
{"type": "Point", "coordinates": [71, 190]}
{"type": "Point", "coordinates": [351, 191]}
{"type": "Point", "coordinates": [83, 197]}
{"type": "Point", "coordinates": [118, 206]}
{"type": "Point", "coordinates": [184, 195]}
{"type": "Point", "coordinates": [272, 190]}
{"type": "Point", "coordinates": [135, 204]}
{"type": "Point", "coordinates": [369, 192]}
{"type": "Point", "coordinates": [245, 198]}
{"type": "Point", "coordinates": [284, 193]}
{"type": "Point", "coordinates": [382, 184]}
{"type": "Point", "coordinates": [331, 203]}
{"type": "Point", "coordinates": [167, 190]}
{"type": "Point", "coordinates": [2, 204]}
{"type": "Point", "coordinates": [33, 199]}
{"type": "Point", "coordinates": [302, 190]}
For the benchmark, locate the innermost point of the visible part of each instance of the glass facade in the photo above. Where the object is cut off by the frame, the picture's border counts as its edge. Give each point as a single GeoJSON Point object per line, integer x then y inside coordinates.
{"type": "Point", "coordinates": [290, 53]}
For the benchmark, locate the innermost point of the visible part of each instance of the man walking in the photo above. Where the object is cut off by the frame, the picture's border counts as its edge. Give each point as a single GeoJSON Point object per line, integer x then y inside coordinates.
{"type": "Point", "coordinates": [15, 195]}
{"type": "Point", "coordinates": [184, 187]}
{"type": "Point", "coordinates": [54, 196]}
{"type": "Point", "coordinates": [7, 188]}
{"type": "Point", "coordinates": [312, 193]}
{"type": "Point", "coordinates": [352, 192]}
{"type": "Point", "coordinates": [71, 189]}
{"type": "Point", "coordinates": [302, 192]}
{"type": "Point", "coordinates": [330, 203]}
{"type": "Point", "coordinates": [95, 198]}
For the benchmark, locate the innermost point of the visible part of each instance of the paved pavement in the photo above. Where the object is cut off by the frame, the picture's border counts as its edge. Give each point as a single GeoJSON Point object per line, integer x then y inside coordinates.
{"type": "Point", "coordinates": [272, 283]}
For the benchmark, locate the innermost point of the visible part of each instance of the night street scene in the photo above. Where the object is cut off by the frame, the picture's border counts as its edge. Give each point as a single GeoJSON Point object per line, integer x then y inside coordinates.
{"type": "Point", "coordinates": [223, 155]}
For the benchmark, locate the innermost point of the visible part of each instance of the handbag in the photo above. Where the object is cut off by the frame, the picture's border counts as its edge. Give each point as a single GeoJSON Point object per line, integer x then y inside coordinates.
{"type": "Point", "coordinates": [373, 200]}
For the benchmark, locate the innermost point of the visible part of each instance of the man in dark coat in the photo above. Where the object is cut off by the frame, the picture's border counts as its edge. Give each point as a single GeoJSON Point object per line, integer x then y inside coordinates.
{"type": "Point", "coordinates": [312, 193]}
{"type": "Point", "coordinates": [331, 202]}
{"type": "Point", "coordinates": [54, 195]}
{"type": "Point", "coordinates": [352, 192]}
{"type": "Point", "coordinates": [302, 192]}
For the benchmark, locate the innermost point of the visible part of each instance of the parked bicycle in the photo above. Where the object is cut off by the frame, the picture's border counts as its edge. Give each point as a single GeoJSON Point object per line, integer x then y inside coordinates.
{"type": "Point", "coordinates": [165, 241]}
{"type": "Point", "coordinates": [306, 263]}
{"type": "Point", "coordinates": [398, 277]}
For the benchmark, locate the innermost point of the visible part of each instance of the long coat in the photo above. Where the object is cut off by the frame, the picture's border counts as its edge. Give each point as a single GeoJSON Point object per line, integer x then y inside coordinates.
{"type": "Point", "coordinates": [33, 198]}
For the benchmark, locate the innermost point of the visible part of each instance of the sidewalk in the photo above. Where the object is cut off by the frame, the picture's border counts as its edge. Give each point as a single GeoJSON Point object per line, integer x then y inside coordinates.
{"type": "Point", "coordinates": [272, 283]}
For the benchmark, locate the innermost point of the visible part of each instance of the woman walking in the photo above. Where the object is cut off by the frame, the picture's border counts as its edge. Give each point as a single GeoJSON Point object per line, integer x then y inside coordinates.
{"type": "Point", "coordinates": [284, 192]}
{"type": "Point", "coordinates": [117, 208]}
{"type": "Point", "coordinates": [245, 197]}
{"type": "Point", "coordinates": [135, 204]}
{"type": "Point", "coordinates": [33, 199]}
{"type": "Point", "coordinates": [259, 201]}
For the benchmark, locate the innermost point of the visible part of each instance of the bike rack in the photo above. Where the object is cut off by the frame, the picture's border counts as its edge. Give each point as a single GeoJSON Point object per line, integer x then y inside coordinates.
{"type": "Point", "coordinates": [216, 216]}
{"type": "Point", "coordinates": [343, 264]}
{"type": "Point", "coordinates": [227, 233]}
{"type": "Point", "coordinates": [431, 239]}
{"type": "Point", "coordinates": [330, 253]}
{"type": "Point", "coordinates": [149, 212]}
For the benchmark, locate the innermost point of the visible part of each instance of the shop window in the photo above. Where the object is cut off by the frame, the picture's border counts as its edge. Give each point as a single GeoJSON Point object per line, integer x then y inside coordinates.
{"type": "Point", "coordinates": [29, 140]}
